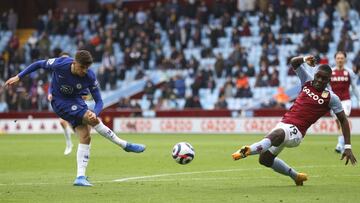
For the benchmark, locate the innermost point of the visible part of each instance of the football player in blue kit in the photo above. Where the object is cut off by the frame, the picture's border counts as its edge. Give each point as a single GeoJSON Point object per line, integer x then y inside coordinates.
{"type": "Point", "coordinates": [69, 79]}
{"type": "Point", "coordinates": [64, 124]}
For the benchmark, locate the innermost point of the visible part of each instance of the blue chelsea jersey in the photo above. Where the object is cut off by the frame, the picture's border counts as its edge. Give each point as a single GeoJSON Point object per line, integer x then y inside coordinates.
{"type": "Point", "coordinates": [66, 84]}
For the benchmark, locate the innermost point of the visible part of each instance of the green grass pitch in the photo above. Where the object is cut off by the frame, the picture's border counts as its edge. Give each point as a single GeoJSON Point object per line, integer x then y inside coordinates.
{"type": "Point", "coordinates": [34, 169]}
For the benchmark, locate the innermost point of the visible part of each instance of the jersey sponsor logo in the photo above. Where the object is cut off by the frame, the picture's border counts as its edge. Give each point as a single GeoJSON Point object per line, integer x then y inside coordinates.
{"type": "Point", "coordinates": [78, 86]}
{"type": "Point", "coordinates": [50, 61]}
{"type": "Point", "coordinates": [74, 107]}
{"type": "Point", "coordinates": [66, 89]}
{"type": "Point", "coordinates": [313, 95]}
{"type": "Point", "coordinates": [339, 79]}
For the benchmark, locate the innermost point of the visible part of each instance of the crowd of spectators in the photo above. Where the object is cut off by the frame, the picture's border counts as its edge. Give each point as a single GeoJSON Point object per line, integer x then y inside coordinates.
{"type": "Point", "coordinates": [157, 37]}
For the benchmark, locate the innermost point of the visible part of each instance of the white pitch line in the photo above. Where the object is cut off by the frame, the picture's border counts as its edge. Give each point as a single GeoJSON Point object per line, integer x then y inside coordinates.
{"type": "Point", "coordinates": [202, 172]}
{"type": "Point", "coordinates": [182, 173]}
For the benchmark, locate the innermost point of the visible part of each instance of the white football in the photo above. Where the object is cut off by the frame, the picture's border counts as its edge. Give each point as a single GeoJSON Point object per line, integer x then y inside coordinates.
{"type": "Point", "coordinates": [183, 153]}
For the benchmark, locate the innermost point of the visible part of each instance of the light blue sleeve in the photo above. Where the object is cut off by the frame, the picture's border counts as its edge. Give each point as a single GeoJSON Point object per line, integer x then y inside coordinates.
{"type": "Point", "coordinates": [335, 103]}
{"type": "Point", "coordinates": [353, 80]}
{"type": "Point", "coordinates": [304, 74]}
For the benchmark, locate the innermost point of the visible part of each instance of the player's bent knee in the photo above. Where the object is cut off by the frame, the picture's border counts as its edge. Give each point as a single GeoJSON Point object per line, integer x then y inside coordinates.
{"type": "Point", "coordinates": [94, 122]}
{"type": "Point", "coordinates": [265, 162]}
{"type": "Point", "coordinates": [277, 137]}
{"type": "Point", "coordinates": [266, 159]}
{"type": "Point", "coordinates": [88, 119]}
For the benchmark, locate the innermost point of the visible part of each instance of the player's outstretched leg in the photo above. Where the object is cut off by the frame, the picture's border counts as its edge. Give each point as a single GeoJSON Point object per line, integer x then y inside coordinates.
{"type": "Point", "coordinates": [133, 147]}
{"type": "Point", "coordinates": [242, 153]}
{"type": "Point", "coordinates": [300, 179]}
{"type": "Point", "coordinates": [255, 148]}
{"type": "Point", "coordinates": [110, 135]}
{"type": "Point", "coordinates": [281, 167]}
{"type": "Point", "coordinates": [269, 160]}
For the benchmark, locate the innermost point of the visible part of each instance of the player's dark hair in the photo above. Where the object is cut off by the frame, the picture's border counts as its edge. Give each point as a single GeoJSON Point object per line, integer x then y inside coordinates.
{"type": "Point", "coordinates": [340, 52]}
{"type": "Point", "coordinates": [63, 53]}
{"type": "Point", "coordinates": [325, 67]}
{"type": "Point", "coordinates": [83, 57]}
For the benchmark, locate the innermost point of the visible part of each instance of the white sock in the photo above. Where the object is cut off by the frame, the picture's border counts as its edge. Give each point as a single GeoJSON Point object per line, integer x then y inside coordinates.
{"type": "Point", "coordinates": [83, 156]}
{"type": "Point", "coordinates": [281, 167]}
{"type": "Point", "coordinates": [67, 135]}
{"type": "Point", "coordinates": [260, 147]}
{"type": "Point", "coordinates": [109, 134]}
{"type": "Point", "coordinates": [341, 140]}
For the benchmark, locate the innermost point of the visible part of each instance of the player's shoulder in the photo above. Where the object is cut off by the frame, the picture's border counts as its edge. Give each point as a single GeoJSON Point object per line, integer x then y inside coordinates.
{"type": "Point", "coordinates": [91, 74]}
{"type": "Point", "coordinates": [59, 61]}
{"type": "Point", "coordinates": [349, 70]}
{"type": "Point", "coordinates": [332, 95]}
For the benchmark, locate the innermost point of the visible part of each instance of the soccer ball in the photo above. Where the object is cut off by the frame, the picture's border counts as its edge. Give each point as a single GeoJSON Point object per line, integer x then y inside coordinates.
{"type": "Point", "coordinates": [183, 153]}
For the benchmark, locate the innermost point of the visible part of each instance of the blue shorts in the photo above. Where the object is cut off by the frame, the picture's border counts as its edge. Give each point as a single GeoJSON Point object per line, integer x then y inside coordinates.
{"type": "Point", "coordinates": [71, 110]}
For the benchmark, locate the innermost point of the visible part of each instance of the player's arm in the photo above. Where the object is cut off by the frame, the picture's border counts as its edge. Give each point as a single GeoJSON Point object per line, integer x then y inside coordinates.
{"type": "Point", "coordinates": [346, 132]}
{"type": "Point", "coordinates": [95, 93]}
{"type": "Point", "coordinates": [45, 64]}
{"type": "Point", "coordinates": [335, 105]}
{"type": "Point", "coordinates": [296, 62]}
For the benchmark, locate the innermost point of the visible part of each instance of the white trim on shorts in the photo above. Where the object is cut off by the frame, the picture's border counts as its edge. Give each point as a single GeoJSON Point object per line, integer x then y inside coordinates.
{"type": "Point", "coordinates": [293, 137]}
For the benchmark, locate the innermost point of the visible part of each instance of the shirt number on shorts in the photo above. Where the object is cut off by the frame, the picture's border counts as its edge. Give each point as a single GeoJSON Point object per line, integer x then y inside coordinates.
{"type": "Point", "coordinates": [293, 130]}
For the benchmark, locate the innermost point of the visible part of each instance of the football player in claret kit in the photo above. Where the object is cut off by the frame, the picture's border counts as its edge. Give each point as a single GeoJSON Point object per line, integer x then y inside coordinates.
{"type": "Point", "coordinates": [341, 79]}
{"type": "Point", "coordinates": [69, 79]}
{"type": "Point", "coordinates": [313, 101]}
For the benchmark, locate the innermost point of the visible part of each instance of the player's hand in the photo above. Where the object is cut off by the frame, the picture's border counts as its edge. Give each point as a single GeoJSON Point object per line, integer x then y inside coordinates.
{"type": "Point", "coordinates": [49, 97]}
{"type": "Point", "coordinates": [12, 81]}
{"type": "Point", "coordinates": [349, 156]}
{"type": "Point", "coordinates": [92, 117]}
{"type": "Point", "coordinates": [310, 60]}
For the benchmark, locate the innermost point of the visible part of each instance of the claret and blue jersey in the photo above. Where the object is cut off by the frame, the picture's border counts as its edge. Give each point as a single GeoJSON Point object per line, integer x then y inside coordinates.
{"type": "Point", "coordinates": [310, 104]}
{"type": "Point", "coordinates": [67, 89]}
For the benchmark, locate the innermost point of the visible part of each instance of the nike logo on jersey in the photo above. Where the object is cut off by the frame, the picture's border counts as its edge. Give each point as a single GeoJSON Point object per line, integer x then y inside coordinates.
{"type": "Point", "coordinates": [60, 76]}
